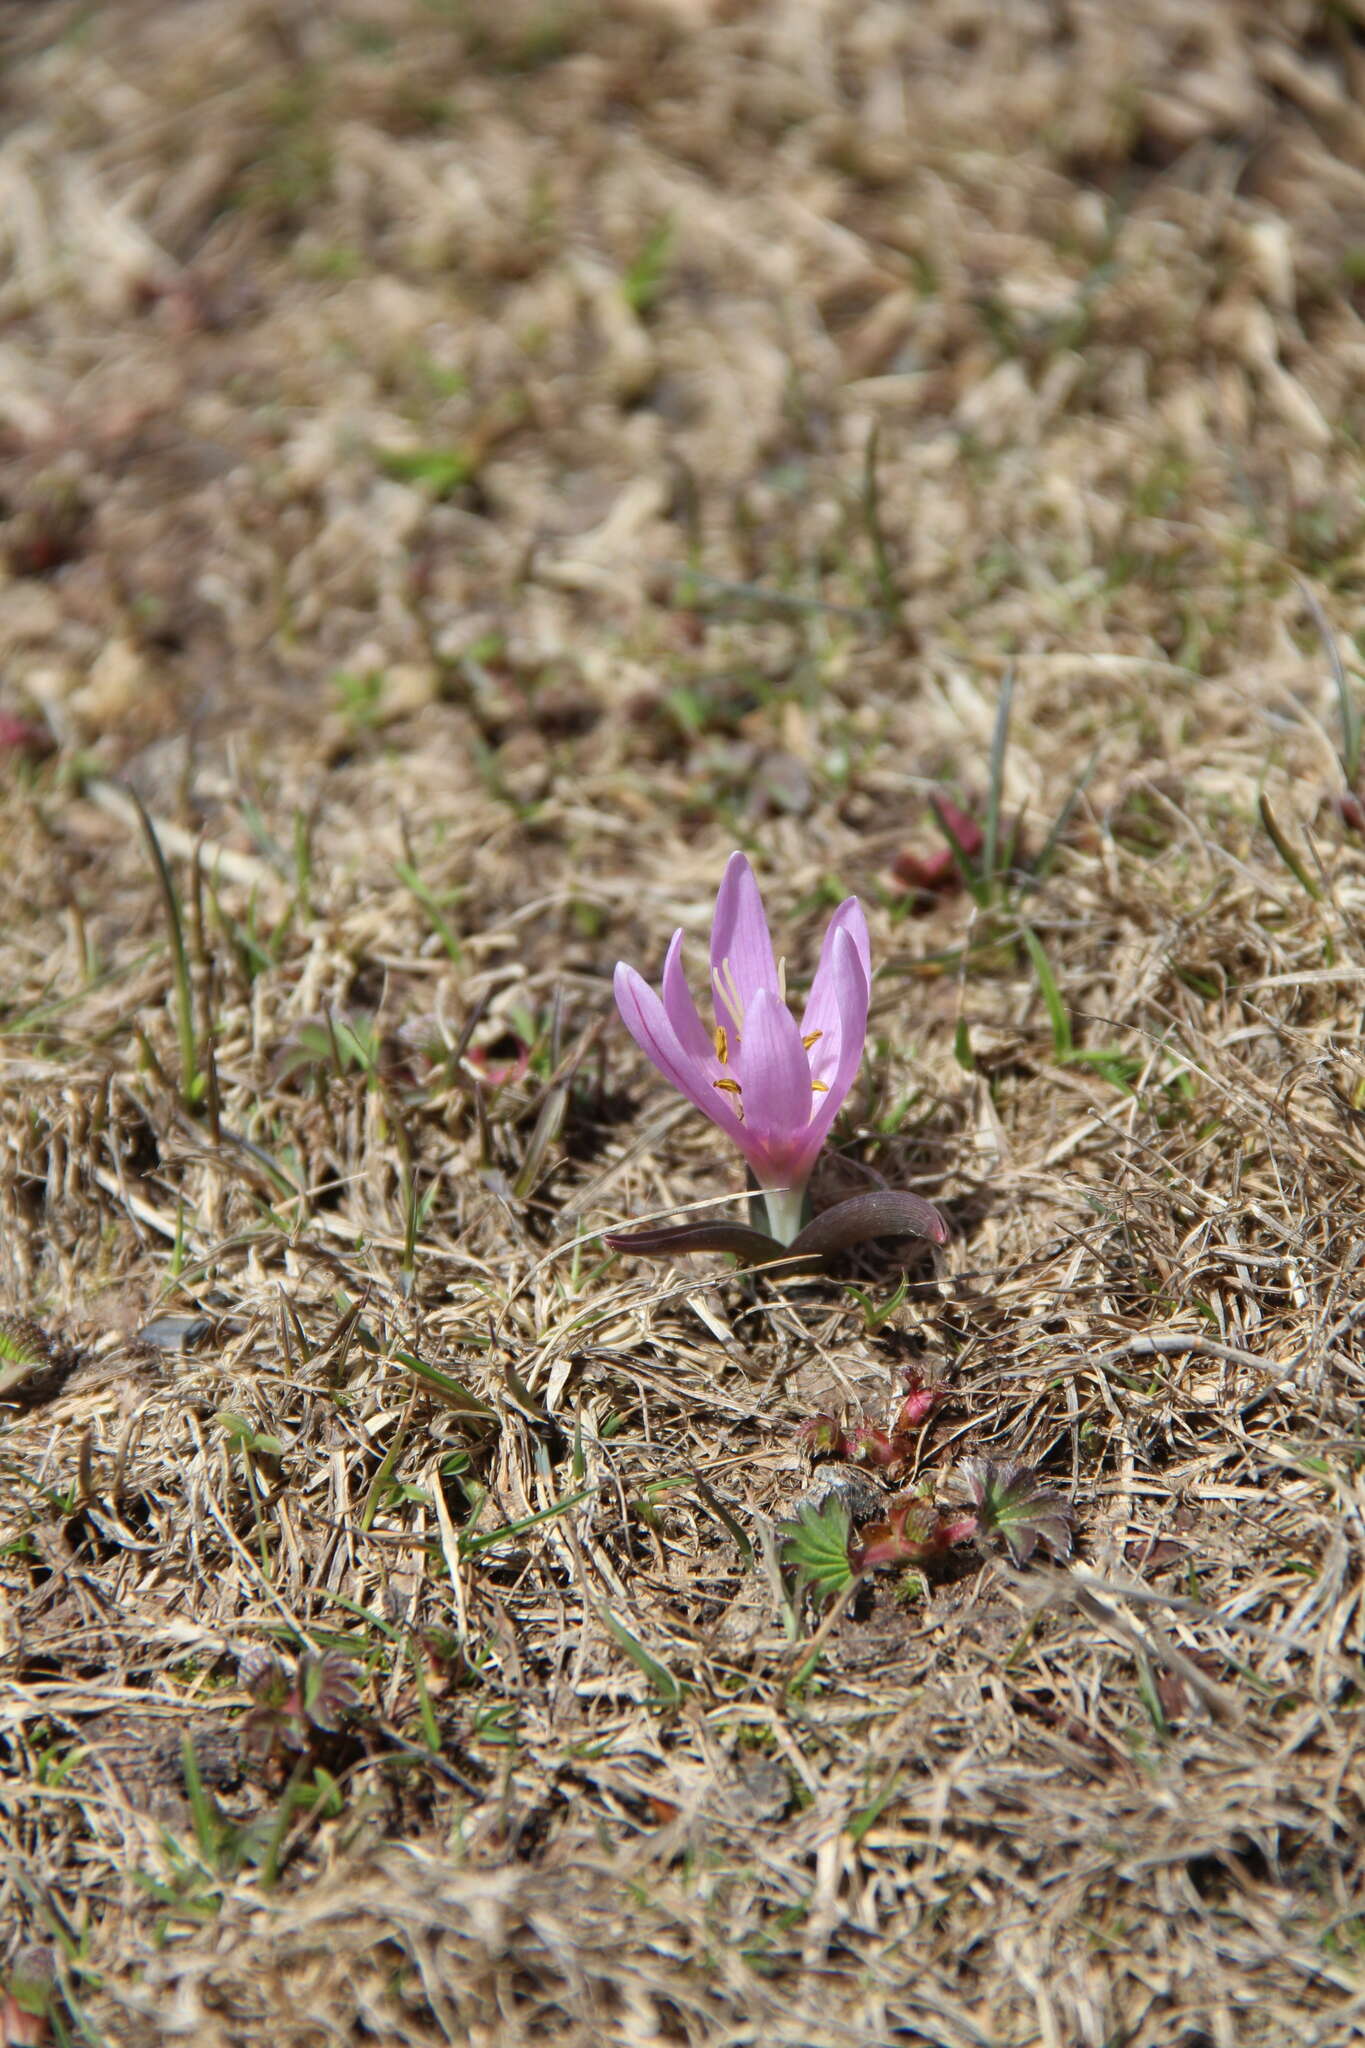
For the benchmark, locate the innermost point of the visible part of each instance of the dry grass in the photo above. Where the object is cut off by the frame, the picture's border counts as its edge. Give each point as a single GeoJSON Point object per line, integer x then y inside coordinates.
{"type": "Point", "coordinates": [434, 457]}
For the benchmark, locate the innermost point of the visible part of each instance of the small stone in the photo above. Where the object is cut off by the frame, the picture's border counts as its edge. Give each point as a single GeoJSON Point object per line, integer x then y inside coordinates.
{"type": "Point", "coordinates": [174, 1333]}
{"type": "Point", "coordinates": [847, 1483]}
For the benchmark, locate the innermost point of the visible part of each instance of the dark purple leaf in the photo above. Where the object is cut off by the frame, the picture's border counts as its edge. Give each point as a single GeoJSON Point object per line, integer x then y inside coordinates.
{"type": "Point", "coordinates": [886, 1212]}
{"type": "Point", "coordinates": [751, 1245]}
{"type": "Point", "coordinates": [327, 1684]}
{"type": "Point", "coordinates": [911, 1531]}
{"type": "Point", "coordinates": [919, 1403]}
{"type": "Point", "coordinates": [823, 1436]}
{"type": "Point", "coordinates": [1013, 1503]}
{"type": "Point", "coordinates": [261, 1673]}
{"type": "Point", "coordinates": [23, 736]}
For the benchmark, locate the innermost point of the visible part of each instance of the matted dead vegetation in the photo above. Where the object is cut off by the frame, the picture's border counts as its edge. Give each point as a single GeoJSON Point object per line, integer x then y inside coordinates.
{"type": "Point", "coordinates": [464, 468]}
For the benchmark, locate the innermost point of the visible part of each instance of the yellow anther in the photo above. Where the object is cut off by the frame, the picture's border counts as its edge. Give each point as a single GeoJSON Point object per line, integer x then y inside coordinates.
{"type": "Point", "coordinates": [722, 1046]}
{"type": "Point", "coordinates": [810, 1038]}
{"type": "Point", "coordinates": [817, 1087]}
{"type": "Point", "coordinates": [732, 1088]}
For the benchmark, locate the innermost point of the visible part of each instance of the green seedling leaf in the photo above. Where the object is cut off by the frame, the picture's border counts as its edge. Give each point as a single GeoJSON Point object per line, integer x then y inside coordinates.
{"type": "Point", "coordinates": [340, 1045]}
{"type": "Point", "coordinates": [28, 1356]}
{"type": "Point", "coordinates": [27, 2002]}
{"type": "Point", "coordinates": [246, 1436]}
{"type": "Point", "coordinates": [861, 1824]}
{"type": "Point", "coordinates": [426, 1712]}
{"type": "Point", "coordinates": [443, 470]}
{"type": "Point", "coordinates": [524, 1398]}
{"type": "Point", "coordinates": [327, 1800]}
{"type": "Point", "coordinates": [383, 1478]}
{"type": "Point", "coordinates": [642, 286]}
{"type": "Point", "coordinates": [816, 1548]}
{"type": "Point", "coordinates": [356, 1042]}
{"type": "Point", "coordinates": [876, 1313]}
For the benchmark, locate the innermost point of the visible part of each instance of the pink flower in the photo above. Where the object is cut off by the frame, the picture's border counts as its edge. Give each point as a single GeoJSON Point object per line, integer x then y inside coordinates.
{"type": "Point", "coordinates": [772, 1085]}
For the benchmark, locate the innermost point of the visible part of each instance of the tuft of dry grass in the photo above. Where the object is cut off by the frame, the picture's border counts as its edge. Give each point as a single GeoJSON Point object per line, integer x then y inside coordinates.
{"type": "Point", "coordinates": [462, 470]}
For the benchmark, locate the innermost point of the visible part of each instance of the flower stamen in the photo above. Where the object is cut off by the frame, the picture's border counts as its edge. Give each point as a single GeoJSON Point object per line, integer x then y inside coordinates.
{"type": "Point", "coordinates": [722, 1046]}
{"type": "Point", "coordinates": [727, 988]}
{"type": "Point", "coordinates": [733, 1088]}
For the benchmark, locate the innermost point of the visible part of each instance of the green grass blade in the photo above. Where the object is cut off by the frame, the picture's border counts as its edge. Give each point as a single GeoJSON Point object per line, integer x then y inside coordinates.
{"type": "Point", "coordinates": [184, 998]}
{"type": "Point", "coordinates": [424, 894]}
{"type": "Point", "coordinates": [548, 1127]}
{"type": "Point", "coordinates": [471, 1545]}
{"type": "Point", "coordinates": [1042, 867]}
{"type": "Point", "coordinates": [1347, 706]}
{"type": "Point", "coordinates": [451, 1390]}
{"type": "Point", "coordinates": [725, 1518]}
{"type": "Point", "coordinates": [872, 520]}
{"type": "Point", "coordinates": [207, 1826]}
{"type": "Point", "coordinates": [667, 1687]}
{"type": "Point", "coordinates": [1000, 740]}
{"type": "Point", "coordinates": [976, 874]}
{"type": "Point", "coordinates": [1308, 883]}
{"type": "Point", "coordinates": [1052, 996]}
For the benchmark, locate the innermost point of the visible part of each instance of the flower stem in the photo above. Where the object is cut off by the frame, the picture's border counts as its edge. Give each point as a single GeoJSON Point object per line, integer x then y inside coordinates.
{"type": "Point", "coordinates": [786, 1209]}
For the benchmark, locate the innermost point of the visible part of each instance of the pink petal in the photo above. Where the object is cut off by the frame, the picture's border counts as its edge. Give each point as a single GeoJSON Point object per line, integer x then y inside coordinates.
{"type": "Point", "coordinates": [775, 1075]}
{"type": "Point", "coordinates": [849, 997]}
{"type": "Point", "coordinates": [739, 937]}
{"type": "Point", "coordinates": [693, 1036]}
{"type": "Point", "coordinates": [647, 1021]}
{"type": "Point", "coordinates": [849, 918]}
{"type": "Point", "coordinates": [825, 1008]}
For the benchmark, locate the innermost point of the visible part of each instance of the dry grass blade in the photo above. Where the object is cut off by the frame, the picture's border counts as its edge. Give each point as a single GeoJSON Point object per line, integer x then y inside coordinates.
{"type": "Point", "coordinates": [463, 470]}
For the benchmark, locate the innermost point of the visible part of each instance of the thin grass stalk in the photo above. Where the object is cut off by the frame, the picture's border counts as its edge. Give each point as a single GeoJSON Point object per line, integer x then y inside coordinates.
{"type": "Point", "coordinates": [184, 995]}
